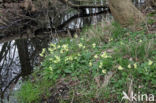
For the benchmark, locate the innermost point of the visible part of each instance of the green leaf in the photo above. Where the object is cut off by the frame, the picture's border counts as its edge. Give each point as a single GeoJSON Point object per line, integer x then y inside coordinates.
{"type": "Point", "coordinates": [67, 71]}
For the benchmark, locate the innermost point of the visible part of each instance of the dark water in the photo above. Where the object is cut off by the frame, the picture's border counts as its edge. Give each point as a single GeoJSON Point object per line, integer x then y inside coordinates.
{"type": "Point", "coordinates": [17, 61]}
{"type": "Point", "coordinates": [19, 57]}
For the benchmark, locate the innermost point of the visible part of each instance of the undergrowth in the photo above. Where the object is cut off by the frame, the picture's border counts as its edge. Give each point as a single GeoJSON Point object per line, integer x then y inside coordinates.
{"type": "Point", "coordinates": [95, 67]}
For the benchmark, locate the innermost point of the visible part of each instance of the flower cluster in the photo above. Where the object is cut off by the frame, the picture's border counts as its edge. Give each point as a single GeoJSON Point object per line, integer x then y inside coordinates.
{"type": "Point", "coordinates": [68, 58]}
{"type": "Point", "coordinates": [81, 46]}
{"type": "Point", "coordinates": [64, 48]}
{"type": "Point", "coordinates": [135, 66]}
{"type": "Point", "coordinates": [57, 59]}
{"type": "Point", "coordinates": [105, 55]}
{"type": "Point", "coordinates": [52, 48]}
{"type": "Point", "coordinates": [101, 65]}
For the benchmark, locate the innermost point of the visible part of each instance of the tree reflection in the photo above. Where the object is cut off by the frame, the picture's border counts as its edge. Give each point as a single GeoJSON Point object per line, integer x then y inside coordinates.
{"type": "Point", "coordinates": [17, 59]}
{"type": "Point", "coordinates": [24, 57]}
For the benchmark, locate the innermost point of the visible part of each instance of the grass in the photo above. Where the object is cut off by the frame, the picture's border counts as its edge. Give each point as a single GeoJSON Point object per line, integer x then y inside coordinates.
{"type": "Point", "coordinates": [95, 67]}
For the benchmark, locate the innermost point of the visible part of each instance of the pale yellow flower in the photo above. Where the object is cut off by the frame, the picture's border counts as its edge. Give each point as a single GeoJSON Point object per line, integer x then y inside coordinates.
{"type": "Point", "coordinates": [83, 47]}
{"type": "Point", "coordinates": [75, 57]}
{"type": "Point", "coordinates": [104, 71]}
{"type": "Point", "coordinates": [90, 64]}
{"type": "Point", "coordinates": [50, 68]}
{"type": "Point", "coordinates": [140, 41]}
{"type": "Point", "coordinates": [101, 64]}
{"type": "Point", "coordinates": [110, 39]}
{"type": "Point", "coordinates": [75, 36]}
{"type": "Point", "coordinates": [82, 39]}
{"type": "Point", "coordinates": [61, 51]}
{"type": "Point", "coordinates": [66, 50]}
{"type": "Point", "coordinates": [78, 55]}
{"type": "Point", "coordinates": [50, 50]}
{"type": "Point", "coordinates": [41, 55]}
{"type": "Point", "coordinates": [104, 55]}
{"type": "Point", "coordinates": [52, 45]}
{"type": "Point", "coordinates": [50, 59]}
{"type": "Point", "coordinates": [66, 59]}
{"type": "Point", "coordinates": [129, 66]}
{"type": "Point", "coordinates": [57, 59]}
{"type": "Point", "coordinates": [150, 62]}
{"type": "Point", "coordinates": [94, 45]}
{"type": "Point", "coordinates": [120, 67]}
{"type": "Point", "coordinates": [80, 45]}
{"type": "Point", "coordinates": [135, 65]}
{"type": "Point", "coordinates": [96, 56]}
{"type": "Point", "coordinates": [58, 46]}
{"type": "Point", "coordinates": [43, 52]}
{"type": "Point", "coordinates": [70, 58]}
{"type": "Point", "coordinates": [65, 46]}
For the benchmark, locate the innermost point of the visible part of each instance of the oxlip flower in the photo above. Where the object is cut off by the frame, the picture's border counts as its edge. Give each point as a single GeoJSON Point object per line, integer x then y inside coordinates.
{"type": "Point", "coordinates": [90, 64]}
{"type": "Point", "coordinates": [101, 64]}
{"type": "Point", "coordinates": [104, 71]}
{"type": "Point", "coordinates": [120, 67]}
{"type": "Point", "coordinates": [150, 62]}
{"type": "Point", "coordinates": [129, 66]}
{"type": "Point", "coordinates": [93, 45]}
{"type": "Point", "coordinates": [80, 45]}
{"type": "Point", "coordinates": [135, 65]}
{"type": "Point", "coordinates": [96, 56]}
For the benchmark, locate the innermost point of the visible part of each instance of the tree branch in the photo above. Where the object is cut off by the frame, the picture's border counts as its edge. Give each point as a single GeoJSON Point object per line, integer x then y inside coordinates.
{"type": "Point", "coordinates": [14, 80]}
{"type": "Point", "coordinates": [78, 16]}
{"type": "Point", "coordinates": [75, 6]}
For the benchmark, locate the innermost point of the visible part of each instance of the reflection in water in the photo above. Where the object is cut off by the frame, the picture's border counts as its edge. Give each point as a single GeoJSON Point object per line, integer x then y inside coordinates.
{"type": "Point", "coordinates": [24, 57]}
{"type": "Point", "coordinates": [8, 61]}
{"type": "Point", "coordinates": [17, 59]}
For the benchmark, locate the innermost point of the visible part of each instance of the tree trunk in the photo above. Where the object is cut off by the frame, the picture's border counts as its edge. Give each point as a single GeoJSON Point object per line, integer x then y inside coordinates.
{"type": "Point", "coordinates": [126, 14]}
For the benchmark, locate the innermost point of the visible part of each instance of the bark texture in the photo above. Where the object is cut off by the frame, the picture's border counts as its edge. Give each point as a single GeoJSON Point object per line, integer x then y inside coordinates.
{"type": "Point", "coordinates": [125, 13]}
